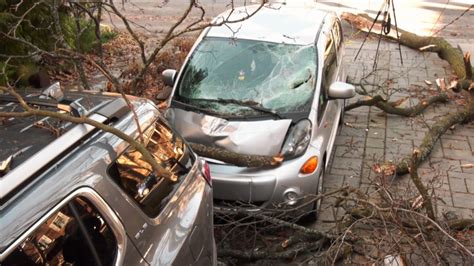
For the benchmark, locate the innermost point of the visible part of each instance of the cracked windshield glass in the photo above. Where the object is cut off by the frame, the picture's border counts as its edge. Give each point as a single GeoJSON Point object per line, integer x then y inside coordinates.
{"type": "Point", "coordinates": [244, 77]}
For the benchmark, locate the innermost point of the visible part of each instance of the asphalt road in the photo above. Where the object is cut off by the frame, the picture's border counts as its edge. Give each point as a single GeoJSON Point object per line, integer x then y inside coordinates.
{"type": "Point", "coordinates": [420, 16]}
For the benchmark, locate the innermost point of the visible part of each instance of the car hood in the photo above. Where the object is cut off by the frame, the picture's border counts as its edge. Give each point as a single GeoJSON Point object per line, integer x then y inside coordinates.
{"type": "Point", "coordinates": [263, 137]}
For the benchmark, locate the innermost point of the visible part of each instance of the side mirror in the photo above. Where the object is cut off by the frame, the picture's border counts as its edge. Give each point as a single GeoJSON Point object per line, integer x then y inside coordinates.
{"type": "Point", "coordinates": [341, 90]}
{"type": "Point", "coordinates": [169, 76]}
{"type": "Point", "coordinates": [164, 94]}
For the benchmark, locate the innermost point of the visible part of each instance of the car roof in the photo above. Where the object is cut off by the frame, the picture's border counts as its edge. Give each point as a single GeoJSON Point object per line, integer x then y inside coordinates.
{"type": "Point", "coordinates": [279, 24]}
{"type": "Point", "coordinates": [79, 167]}
{"type": "Point", "coordinates": [25, 136]}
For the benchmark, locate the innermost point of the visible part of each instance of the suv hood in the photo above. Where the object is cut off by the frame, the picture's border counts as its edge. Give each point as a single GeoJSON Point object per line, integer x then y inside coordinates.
{"type": "Point", "coordinates": [263, 137]}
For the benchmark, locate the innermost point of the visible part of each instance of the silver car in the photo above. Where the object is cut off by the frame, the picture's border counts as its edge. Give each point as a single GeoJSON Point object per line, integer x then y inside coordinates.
{"type": "Point", "coordinates": [269, 85]}
{"type": "Point", "coordinates": [75, 195]}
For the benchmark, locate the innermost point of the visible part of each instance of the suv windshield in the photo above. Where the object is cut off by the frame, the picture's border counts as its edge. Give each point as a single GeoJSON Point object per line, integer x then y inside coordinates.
{"type": "Point", "coordinates": [223, 73]}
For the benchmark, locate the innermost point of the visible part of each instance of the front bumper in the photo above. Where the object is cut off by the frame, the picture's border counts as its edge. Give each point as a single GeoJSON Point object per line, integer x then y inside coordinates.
{"type": "Point", "coordinates": [266, 188]}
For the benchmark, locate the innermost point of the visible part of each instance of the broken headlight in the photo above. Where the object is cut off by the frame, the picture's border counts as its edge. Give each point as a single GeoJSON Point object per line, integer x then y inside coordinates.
{"type": "Point", "coordinates": [297, 140]}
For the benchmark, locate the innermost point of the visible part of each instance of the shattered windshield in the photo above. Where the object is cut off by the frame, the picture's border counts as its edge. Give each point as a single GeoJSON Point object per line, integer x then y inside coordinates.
{"type": "Point", "coordinates": [235, 76]}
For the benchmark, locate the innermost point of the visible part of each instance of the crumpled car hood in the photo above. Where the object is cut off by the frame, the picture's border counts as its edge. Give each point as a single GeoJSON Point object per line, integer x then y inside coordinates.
{"type": "Point", "coordinates": [246, 137]}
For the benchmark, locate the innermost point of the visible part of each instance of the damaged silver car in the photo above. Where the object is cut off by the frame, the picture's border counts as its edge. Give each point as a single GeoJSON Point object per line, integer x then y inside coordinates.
{"type": "Point", "coordinates": [273, 84]}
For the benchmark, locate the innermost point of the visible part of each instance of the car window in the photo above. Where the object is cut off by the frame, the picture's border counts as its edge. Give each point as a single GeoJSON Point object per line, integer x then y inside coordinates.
{"type": "Point", "coordinates": [275, 76]}
{"type": "Point", "coordinates": [77, 234]}
{"type": "Point", "coordinates": [329, 72]}
{"type": "Point", "coordinates": [135, 176]}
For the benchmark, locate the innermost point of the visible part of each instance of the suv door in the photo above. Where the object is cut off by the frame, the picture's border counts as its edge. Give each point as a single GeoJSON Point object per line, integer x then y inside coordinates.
{"type": "Point", "coordinates": [81, 230]}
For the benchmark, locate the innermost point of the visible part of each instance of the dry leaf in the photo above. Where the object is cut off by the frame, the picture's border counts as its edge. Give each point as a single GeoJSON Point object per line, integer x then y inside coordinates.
{"type": "Point", "coordinates": [277, 160]}
{"type": "Point", "coordinates": [285, 243]}
{"type": "Point", "coordinates": [417, 203]}
{"type": "Point", "coordinates": [386, 169]}
{"type": "Point", "coordinates": [349, 124]}
{"type": "Point", "coordinates": [441, 83]}
{"type": "Point", "coordinates": [453, 84]}
{"type": "Point", "coordinates": [467, 165]}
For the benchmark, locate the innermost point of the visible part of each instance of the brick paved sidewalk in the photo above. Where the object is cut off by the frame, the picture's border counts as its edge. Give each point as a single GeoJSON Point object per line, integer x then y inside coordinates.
{"type": "Point", "coordinates": [370, 136]}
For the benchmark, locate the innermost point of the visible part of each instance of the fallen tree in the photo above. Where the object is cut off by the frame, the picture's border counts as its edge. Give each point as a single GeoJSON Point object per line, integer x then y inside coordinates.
{"type": "Point", "coordinates": [463, 82]}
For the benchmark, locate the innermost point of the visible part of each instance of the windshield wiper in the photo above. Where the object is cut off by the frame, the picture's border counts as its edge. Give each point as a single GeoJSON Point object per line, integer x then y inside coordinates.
{"type": "Point", "coordinates": [200, 109]}
{"type": "Point", "coordinates": [249, 103]}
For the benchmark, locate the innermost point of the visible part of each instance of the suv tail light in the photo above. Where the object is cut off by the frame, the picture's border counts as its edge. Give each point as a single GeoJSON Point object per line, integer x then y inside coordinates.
{"type": "Point", "coordinates": [206, 172]}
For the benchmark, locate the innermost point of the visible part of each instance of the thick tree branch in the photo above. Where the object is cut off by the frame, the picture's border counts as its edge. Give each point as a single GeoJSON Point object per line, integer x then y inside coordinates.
{"type": "Point", "coordinates": [390, 108]}
{"type": "Point", "coordinates": [436, 131]}
{"type": "Point", "coordinates": [158, 168]}
{"type": "Point", "coordinates": [414, 162]}
{"type": "Point", "coordinates": [234, 158]}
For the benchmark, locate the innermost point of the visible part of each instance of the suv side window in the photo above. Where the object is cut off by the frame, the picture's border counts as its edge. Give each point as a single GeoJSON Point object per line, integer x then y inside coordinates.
{"type": "Point", "coordinates": [135, 176]}
{"type": "Point", "coordinates": [76, 234]}
{"type": "Point", "coordinates": [328, 75]}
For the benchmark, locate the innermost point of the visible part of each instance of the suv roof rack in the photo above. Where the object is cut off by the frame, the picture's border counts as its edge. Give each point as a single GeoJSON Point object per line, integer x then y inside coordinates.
{"type": "Point", "coordinates": [73, 107]}
{"type": "Point", "coordinates": [32, 167]}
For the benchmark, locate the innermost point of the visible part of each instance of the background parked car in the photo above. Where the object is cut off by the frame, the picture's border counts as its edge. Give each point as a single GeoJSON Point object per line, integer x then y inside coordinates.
{"type": "Point", "coordinates": [85, 197]}
{"type": "Point", "coordinates": [272, 84]}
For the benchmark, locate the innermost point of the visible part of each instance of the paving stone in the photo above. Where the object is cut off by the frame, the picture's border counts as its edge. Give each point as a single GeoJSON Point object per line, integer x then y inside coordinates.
{"type": "Point", "coordinates": [350, 141]}
{"type": "Point", "coordinates": [469, 185]}
{"type": "Point", "coordinates": [458, 185]}
{"type": "Point", "coordinates": [349, 152]}
{"type": "Point", "coordinates": [445, 164]}
{"type": "Point", "coordinates": [374, 154]}
{"type": "Point", "coordinates": [445, 196]}
{"type": "Point", "coordinates": [463, 200]}
{"type": "Point", "coordinates": [333, 181]}
{"type": "Point", "coordinates": [458, 154]}
{"type": "Point", "coordinates": [376, 133]}
{"type": "Point", "coordinates": [347, 163]}
{"type": "Point", "coordinates": [401, 149]}
{"type": "Point", "coordinates": [451, 135]}
{"type": "Point", "coordinates": [464, 131]}
{"type": "Point", "coordinates": [455, 144]}
{"type": "Point", "coordinates": [352, 181]}
{"type": "Point", "coordinates": [437, 151]}
{"type": "Point", "coordinates": [375, 143]}
{"type": "Point", "coordinates": [352, 131]}
{"type": "Point", "coordinates": [471, 143]}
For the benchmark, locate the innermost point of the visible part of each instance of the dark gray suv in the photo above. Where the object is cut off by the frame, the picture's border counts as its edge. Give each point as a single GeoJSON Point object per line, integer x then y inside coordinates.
{"type": "Point", "coordinates": [73, 194]}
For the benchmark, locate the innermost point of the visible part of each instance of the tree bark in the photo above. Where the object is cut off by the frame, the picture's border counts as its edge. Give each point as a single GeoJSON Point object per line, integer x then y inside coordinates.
{"type": "Point", "coordinates": [244, 160]}
{"type": "Point", "coordinates": [389, 107]}
{"type": "Point", "coordinates": [436, 131]}
{"type": "Point", "coordinates": [415, 178]}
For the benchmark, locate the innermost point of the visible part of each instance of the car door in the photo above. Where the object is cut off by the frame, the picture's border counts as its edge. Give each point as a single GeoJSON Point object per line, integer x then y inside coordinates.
{"type": "Point", "coordinates": [329, 110]}
{"type": "Point", "coordinates": [81, 230]}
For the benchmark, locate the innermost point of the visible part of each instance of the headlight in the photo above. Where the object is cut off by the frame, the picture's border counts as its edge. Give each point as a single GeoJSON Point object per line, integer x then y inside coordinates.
{"type": "Point", "coordinates": [297, 140]}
